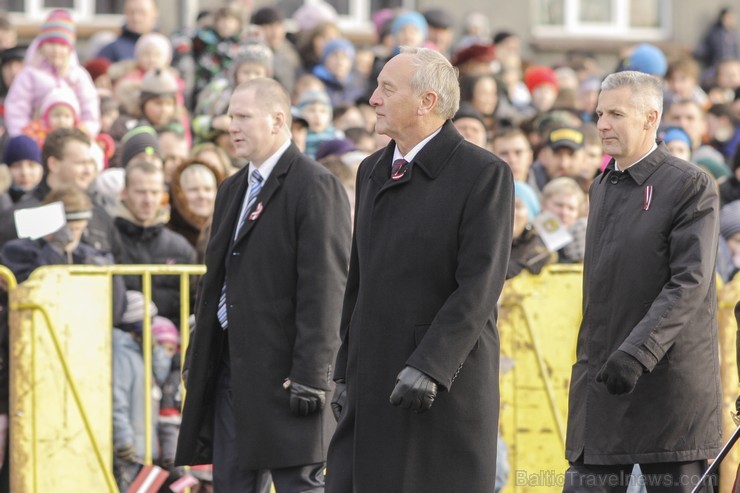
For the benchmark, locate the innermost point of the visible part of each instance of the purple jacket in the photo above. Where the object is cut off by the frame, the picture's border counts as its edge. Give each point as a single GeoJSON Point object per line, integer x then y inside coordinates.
{"type": "Point", "coordinates": [36, 80]}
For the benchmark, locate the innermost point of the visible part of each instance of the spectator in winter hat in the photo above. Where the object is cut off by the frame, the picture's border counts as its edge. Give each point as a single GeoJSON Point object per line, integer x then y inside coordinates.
{"type": "Point", "coordinates": [51, 62]}
{"type": "Point", "coordinates": [474, 59]}
{"type": "Point", "coordinates": [287, 61]}
{"type": "Point", "coordinates": [542, 83]}
{"type": "Point", "coordinates": [343, 84]}
{"type": "Point", "coordinates": [441, 29]}
{"type": "Point", "coordinates": [311, 15]}
{"type": "Point", "coordinates": [153, 50]}
{"type": "Point", "coordinates": [192, 197]}
{"type": "Point", "coordinates": [98, 70]}
{"type": "Point", "coordinates": [141, 143]}
{"type": "Point", "coordinates": [11, 62]}
{"type": "Point", "coordinates": [316, 108]}
{"type": "Point", "coordinates": [23, 158]}
{"type": "Point", "coordinates": [471, 125]}
{"type": "Point", "coordinates": [336, 147]}
{"type": "Point", "coordinates": [678, 142]}
{"type": "Point", "coordinates": [409, 29]}
{"type": "Point", "coordinates": [59, 109]}
{"type": "Point", "coordinates": [158, 98]}
{"type": "Point", "coordinates": [647, 59]}
{"type": "Point", "coordinates": [254, 60]}
{"type": "Point", "coordinates": [165, 334]}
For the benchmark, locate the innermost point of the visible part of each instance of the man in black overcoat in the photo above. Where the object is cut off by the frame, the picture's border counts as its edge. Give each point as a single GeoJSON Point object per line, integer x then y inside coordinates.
{"type": "Point", "coordinates": [262, 357]}
{"type": "Point", "coordinates": [417, 396]}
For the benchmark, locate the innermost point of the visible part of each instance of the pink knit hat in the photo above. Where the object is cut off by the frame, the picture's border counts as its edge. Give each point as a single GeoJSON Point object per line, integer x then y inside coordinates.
{"type": "Point", "coordinates": [58, 28]}
{"type": "Point", "coordinates": [163, 330]}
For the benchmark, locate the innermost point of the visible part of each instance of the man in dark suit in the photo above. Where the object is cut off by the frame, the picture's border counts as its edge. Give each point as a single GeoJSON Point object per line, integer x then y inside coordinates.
{"type": "Point", "coordinates": [433, 227]}
{"type": "Point", "coordinates": [261, 361]}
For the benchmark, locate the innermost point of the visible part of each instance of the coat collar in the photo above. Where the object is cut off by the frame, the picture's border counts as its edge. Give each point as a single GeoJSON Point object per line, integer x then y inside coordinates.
{"type": "Point", "coordinates": [431, 159]}
{"type": "Point", "coordinates": [268, 190]}
{"type": "Point", "coordinates": [641, 171]}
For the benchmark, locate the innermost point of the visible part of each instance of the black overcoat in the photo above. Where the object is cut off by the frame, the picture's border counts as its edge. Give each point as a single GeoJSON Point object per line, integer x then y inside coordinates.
{"type": "Point", "coordinates": [286, 273]}
{"type": "Point", "coordinates": [429, 258]}
{"type": "Point", "coordinates": [649, 290]}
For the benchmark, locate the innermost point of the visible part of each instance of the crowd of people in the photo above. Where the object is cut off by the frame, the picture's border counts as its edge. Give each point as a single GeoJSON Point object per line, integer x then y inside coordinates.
{"type": "Point", "coordinates": [135, 137]}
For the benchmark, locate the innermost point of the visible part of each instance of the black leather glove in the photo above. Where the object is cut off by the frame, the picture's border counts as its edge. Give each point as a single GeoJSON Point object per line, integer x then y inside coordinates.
{"type": "Point", "coordinates": [339, 400]}
{"type": "Point", "coordinates": [620, 373]}
{"type": "Point", "coordinates": [305, 400]}
{"type": "Point", "coordinates": [126, 453]}
{"type": "Point", "coordinates": [414, 390]}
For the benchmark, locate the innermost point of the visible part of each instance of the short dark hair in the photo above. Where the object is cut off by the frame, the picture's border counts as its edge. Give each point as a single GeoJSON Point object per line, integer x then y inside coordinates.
{"type": "Point", "coordinates": [57, 140]}
{"type": "Point", "coordinates": [143, 165]}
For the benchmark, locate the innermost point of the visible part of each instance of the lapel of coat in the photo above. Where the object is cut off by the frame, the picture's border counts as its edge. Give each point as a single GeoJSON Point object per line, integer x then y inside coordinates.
{"type": "Point", "coordinates": [431, 159]}
{"type": "Point", "coordinates": [268, 190]}
{"type": "Point", "coordinates": [223, 226]}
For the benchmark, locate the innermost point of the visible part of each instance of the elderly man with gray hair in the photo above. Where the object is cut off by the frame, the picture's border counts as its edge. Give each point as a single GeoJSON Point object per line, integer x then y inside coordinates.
{"type": "Point", "coordinates": [417, 396]}
{"type": "Point", "coordinates": [645, 387]}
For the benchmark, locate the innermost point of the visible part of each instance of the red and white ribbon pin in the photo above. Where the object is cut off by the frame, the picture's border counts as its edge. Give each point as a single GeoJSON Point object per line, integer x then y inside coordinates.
{"type": "Point", "coordinates": [648, 197]}
{"type": "Point", "coordinates": [256, 214]}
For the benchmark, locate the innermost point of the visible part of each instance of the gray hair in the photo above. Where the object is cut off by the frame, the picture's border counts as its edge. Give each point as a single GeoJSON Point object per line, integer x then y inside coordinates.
{"type": "Point", "coordinates": [647, 90]}
{"type": "Point", "coordinates": [433, 72]}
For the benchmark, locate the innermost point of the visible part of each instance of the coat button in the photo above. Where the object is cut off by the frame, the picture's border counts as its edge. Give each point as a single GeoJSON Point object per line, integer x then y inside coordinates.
{"type": "Point", "coordinates": [614, 179]}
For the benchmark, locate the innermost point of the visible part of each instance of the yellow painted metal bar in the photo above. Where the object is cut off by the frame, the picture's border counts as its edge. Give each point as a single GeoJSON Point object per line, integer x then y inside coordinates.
{"type": "Point", "coordinates": [184, 330]}
{"type": "Point", "coordinates": [146, 288]}
{"type": "Point", "coordinates": [9, 277]}
{"type": "Point", "coordinates": [33, 406]}
{"type": "Point", "coordinates": [110, 481]}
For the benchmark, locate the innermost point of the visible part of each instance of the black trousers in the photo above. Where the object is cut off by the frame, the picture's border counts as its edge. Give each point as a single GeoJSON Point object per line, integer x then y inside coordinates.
{"type": "Point", "coordinates": [664, 477]}
{"type": "Point", "coordinates": [228, 477]}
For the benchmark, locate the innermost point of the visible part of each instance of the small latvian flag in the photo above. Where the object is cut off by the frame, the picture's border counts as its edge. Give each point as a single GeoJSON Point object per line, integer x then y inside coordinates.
{"type": "Point", "coordinates": [149, 480]}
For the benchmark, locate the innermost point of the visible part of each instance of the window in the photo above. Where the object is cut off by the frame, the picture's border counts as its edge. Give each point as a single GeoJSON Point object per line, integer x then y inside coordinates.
{"type": "Point", "coordinates": [353, 14]}
{"type": "Point", "coordinates": [36, 10]}
{"type": "Point", "coordinates": [646, 19]}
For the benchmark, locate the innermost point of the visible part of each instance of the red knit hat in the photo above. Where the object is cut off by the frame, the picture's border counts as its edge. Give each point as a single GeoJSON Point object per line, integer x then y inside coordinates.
{"type": "Point", "coordinates": [476, 52]}
{"type": "Point", "coordinates": [97, 66]}
{"type": "Point", "coordinates": [537, 75]}
{"type": "Point", "coordinates": [58, 28]}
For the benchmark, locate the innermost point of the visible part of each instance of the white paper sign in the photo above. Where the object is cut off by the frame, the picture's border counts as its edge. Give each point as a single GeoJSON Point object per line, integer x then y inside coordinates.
{"type": "Point", "coordinates": [554, 235]}
{"type": "Point", "coordinates": [38, 222]}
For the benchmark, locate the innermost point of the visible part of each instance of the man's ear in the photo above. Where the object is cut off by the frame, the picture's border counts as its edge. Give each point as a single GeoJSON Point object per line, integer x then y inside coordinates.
{"type": "Point", "coordinates": [279, 122]}
{"type": "Point", "coordinates": [428, 102]}
{"type": "Point", "coordinates": [652, 120]}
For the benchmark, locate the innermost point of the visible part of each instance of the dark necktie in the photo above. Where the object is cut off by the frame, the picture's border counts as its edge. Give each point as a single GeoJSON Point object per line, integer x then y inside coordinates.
{"type": "Point", "coordinates": [399, 168]}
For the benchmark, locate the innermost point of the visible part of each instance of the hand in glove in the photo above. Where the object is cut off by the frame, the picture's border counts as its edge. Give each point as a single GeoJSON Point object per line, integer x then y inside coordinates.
{"type": "Point", "coordinates": [126, 453]}
{"type": "Point", "coordinates": [620, 373]}
{"type": "Point", "coordinates": [305, 400]}
{"type": "Point", "coordinates": [414, 390]}
{"type": "Point", "coordinates": [340, 399]}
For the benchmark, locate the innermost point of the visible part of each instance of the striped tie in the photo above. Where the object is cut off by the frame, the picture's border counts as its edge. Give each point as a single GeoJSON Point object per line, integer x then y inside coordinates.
{"type": "Point", "coordinates": [256, 185]}
{"type": "Point", "coordinates": [399, 168]}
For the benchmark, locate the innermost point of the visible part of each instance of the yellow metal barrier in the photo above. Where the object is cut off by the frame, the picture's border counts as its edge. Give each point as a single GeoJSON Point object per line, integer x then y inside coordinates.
{"type": "Point", "coordinates": [538, 321]}
{"type": "Point", "coordinates": [58, 443]}
{"type": "Point", "coordinates": [61, 423]}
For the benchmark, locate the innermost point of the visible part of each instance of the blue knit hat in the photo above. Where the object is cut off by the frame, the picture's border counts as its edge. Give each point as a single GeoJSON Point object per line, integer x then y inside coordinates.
{"type": "Point", "coordinates": [413, 18]}
{"type": "Point", "coordinates": [338, 44]}
{"type": "Point", "coordinates": [647, 59]}
{"type": "Point", "coordinates": [676, 133]}
{"type": "Point", "coordinates": [21, 148]}
{"type": "Point", "coordinates": [524, 192]}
